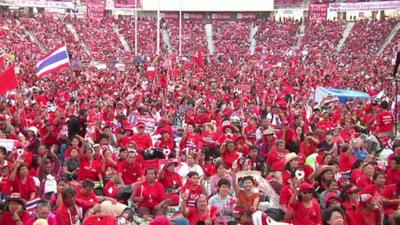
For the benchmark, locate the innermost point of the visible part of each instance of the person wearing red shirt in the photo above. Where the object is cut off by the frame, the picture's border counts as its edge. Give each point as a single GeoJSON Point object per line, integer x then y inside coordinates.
{"type": "Point", "coordinates": [190, 139]}
{"type": "Point", "coordinates": [89, 168]}
{"type": "Point", "coordinates": [16, 214]}
{"type": "Point", "coordinates": [193, 187]}
{"type": "Point", "coordinates": [275, 159]}
{"type": "Point", "coordinates": [150, 196]}
{"type": "Point", "coordinates": [143, 141]}
{"type": "Point", "coordinates": [287, 134]}
{"type": "Point", "coordinates": [209, 138]}
{"type": "Point", "coordinates": [22, 182]}
{"type": "Point", "coordinates": [368, 212]}
{"type": "Point", "coordinates": [287, 192]}
{"type": "Point", "coordinates": [346, 158]}
{"type": "Point", "coordinates": [165, 142]}
{"type": "Point", "coordinates": [49, 135]}
{"type": "Point", "coordinates": [349, 197]}
{"type": "Point", "coordinates": [169, 178]}
{"type": "Point", "coordinates": [368, 171]}
{"type": "Point", "coordinates": [70, 211]}
{"type": "Point", "coordinates": [129, 171]}
{"type": "Point", "coordinates": [229, 153]}
{"type": "Point", "coordinates": [393, 173]}
{"type": "Point", "coordinates": [200, 213]}
{"type": "Point", "coordinates": [127, 135]}
{"type": "Point", "coordinates": [385, 121]}
{"type": "Point", "coordinates": [390, 199]}
{"type": "Point", "coordinates": [307, 210]}
{"type": "Point", "coordinates": [201, 117]}
{"type": "Point", "coordinates": [308, 146]}
{"type": "Point", "coordinates": [251, 130]}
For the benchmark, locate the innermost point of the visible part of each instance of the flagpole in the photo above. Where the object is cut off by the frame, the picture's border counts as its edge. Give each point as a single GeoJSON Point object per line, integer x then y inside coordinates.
{"type": "Point", "coordinates": [180, 27]}
{"type": "Point", "coordinates": [158, 28]}
{"type": "Point", "coordinates": [136, 29]}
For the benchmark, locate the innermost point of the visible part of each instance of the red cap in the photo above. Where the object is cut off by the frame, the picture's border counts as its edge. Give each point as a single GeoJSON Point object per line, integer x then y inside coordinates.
{"type": "Point", "coordinates": [306, 187]}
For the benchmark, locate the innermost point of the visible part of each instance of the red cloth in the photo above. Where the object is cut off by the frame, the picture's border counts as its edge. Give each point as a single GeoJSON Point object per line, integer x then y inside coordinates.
{"type": "Point", "coordinates": [142, 141]}
{"type": "Point", "coordinates": [171, 180]}
{"type": "Point", "coordinates": [152, 194]}
{"type": "Point", "coordinates": [8, 81]}
{"type": "Point", "coordinates": [194, 216]}
{"type": "Point", "coordinates": [89, 170]}
{"type": "Point", "coordinates": [307, 149]}
{"type": "Point", "coordinates": [306, 216]}
{"type": "Point", "coordinates": [368, 217]}
{"type": "Point", "coordinates": [285, 195]}
{"type": "Point", "coordinates": [392, 176]}
{"type": "Point", "coordinates": [385, 121]}
{"type": "Point", "coordinates": [390, 192]}
{"type": "Point", "coordinates": [8, 220]}
{"type": "Point", "coordinates": [230, 157]}
{"type": "Point", "coordinates": [130, 173]}
{"type": "Point", "coordinates": [276, 159]}
{"type": "Point", "coordinates": [346, 161]}
{"type": "Point", "coordinates": [26, 189]}
{"type": "Point", "coordinates": [88, 200]}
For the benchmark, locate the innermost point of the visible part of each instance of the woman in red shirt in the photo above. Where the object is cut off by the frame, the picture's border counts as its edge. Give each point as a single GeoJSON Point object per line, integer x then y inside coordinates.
{"type": "Point", "coordinates": [305, 207]}
{"type": "Point", "coordinates": [349, 197]}
{"type": "Point", "coordinates": [368, 171]}
{"type": "Point", "coordinates": [368, 212]}
{"type": "Point", "coordinates": [16, 214]}
{"type": "Point", "coordinates": [169, 178]}
{"type": "Point", "coordinates": [89, 168]}
{"type": "Point", "coordinates": [150, 196]}
{"type": "Point", "coordinates": [22, 182]}
{"type": "Point", "coordinates": [229, 153]}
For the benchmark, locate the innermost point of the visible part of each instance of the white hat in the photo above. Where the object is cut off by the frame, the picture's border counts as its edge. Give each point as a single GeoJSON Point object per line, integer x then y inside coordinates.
{"type": "Point", "coordinates": [33, 129]}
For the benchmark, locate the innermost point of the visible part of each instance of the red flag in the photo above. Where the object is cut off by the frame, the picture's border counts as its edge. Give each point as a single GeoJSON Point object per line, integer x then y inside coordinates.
{"type": "Point", "coordinates": [8, 81]}
{"type": "Point", "coordinates": [2, 63]}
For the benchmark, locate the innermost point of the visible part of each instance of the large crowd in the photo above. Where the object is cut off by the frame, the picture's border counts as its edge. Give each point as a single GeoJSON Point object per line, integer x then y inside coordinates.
{"type": "Point", "coordinates": [229, 138]}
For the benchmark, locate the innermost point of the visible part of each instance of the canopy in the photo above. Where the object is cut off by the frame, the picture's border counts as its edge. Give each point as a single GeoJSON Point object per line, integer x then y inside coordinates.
{"type": "Point", "coordinates": [341, 94]}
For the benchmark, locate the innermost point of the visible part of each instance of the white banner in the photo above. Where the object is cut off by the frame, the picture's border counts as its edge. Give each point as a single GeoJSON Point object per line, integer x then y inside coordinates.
{"type": "Point", "coordinates": [38, 3]}
{"type": "Point", "coordinates": [364, 6]}
{"type": "Point", "coordinates": [7, 143]}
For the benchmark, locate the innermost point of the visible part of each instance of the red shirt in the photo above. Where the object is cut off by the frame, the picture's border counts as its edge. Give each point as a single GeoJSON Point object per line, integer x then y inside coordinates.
{"type": "Point", "coordinates": [308, 149]}
{"type": "Point", "coordinates": [7, 218]}
{"type": "Point", "coordinates": [171, 180]}
{"type": "Point", "coordinates": [130, 173]}
{"type": "Point", "coordinates": [276, 159]}
{"type": "Point", "coordinates": [390, 192]}
{"type": "Point", "coordinates": [306, 216]}
{"type": "Point", "coordinates": [194, 216]}
{"type": "Point", "coordinates": [194, 193]}
{"type": "Point", "coordinates": [392, 176]}
{"type": "Point", "coordinates": [191, 141]}
{"type": "Point", "coordinates": [26, 189]}
{"type": "Point", "coordinates": [64, 215]}
{"type": "Point", "coordinates": [152, 194]}
{"type": "Point", "coordinates": [368, 217]}
{"type": "Point", "coordinates": [346, 161]}
{"type": "Point", "coordinates": [230, 157]}
{"type": "Point", "coordinates": [89, 170]}
{"type": "Point", "coordinates": [88, 200]}
{"type": "Point", "coordinates": [285, 195]}
{"type": "Point", "coordinates": [385, 122]}
{"type": "Point", "coordinates": [142, 141]}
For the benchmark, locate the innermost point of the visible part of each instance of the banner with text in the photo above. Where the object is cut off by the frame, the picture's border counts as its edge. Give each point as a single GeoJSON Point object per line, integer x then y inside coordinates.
{"type": "Point", "coordinates": [95, 10]}
{"type": "Point", "coordinates": [318, 11]}
{"type": "Point", "coordinates": [364, 6]}
{"type": "Point", "coordinates": [127, 4]}
{"type": "Point", "coordinates": [247, 16]}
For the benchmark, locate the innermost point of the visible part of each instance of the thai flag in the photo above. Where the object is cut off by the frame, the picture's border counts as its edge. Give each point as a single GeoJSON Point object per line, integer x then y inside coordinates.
{"type": "Point", "coordinates": [53, 62]}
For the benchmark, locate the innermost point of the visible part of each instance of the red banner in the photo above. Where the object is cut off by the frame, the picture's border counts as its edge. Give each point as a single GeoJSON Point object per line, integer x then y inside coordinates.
{"type": "Point", "coordinates": [95, 10]}
{"type": "Point", "coordinates": [247, 16]}
{"type": "Point", "coordinates": [221, 16]}
{"type": "Point", "coordinates": [127, 4]}
{"type": "Point", "coordinates": [170, 15]}
{"type": "Point", "coordinates": [318, 11]}
{"type": "Point", "coordinates": [193, 16]}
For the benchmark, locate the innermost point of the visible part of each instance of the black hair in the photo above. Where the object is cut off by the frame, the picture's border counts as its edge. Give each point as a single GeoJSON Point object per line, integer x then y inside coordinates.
{"type": "Point", "coordinates": [67, 191]}
{"type": "Point", "coordinates": [384, 105]}
{"type": "Point", "coordinates": [87, 183]}
{"type": "Point", "coordinates": [219, 163]}
{"type": "Point", "coordinates": [397, 159]}
{"type": "Point", "coordinates": [377, 173]}
{"type": "Point", "coordinates": [357, 164]}
{"type": "Point", "coordinates": [102, 136]}
{"type": "Point", "coordinates": [343, 195]}
{"type": "Point", "coordinates": [3, 150]}
{"type": "Point", "coordinates": [248, 178]}
{"type": "Point", "coordinates": [327, 214]}
{"type": "Point", "coordinates": [223, 181]}
{"type": "Point", "coordinates": [192, 174]}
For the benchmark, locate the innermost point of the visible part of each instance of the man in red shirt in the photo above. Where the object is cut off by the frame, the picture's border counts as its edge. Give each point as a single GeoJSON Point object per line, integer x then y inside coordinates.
{"type": "Point", "coordinates": [275, 159]}
{"type": "Point", "coordinates": [393, 173]}
{"type": "Point", "coordinates": [129, 171]}
{"type": "Point", "coordinates": [143, 141]}
{"type": "Point", "coordinates": [385, 121]}
{"type": "Point", "coordinates": [69, 212]}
